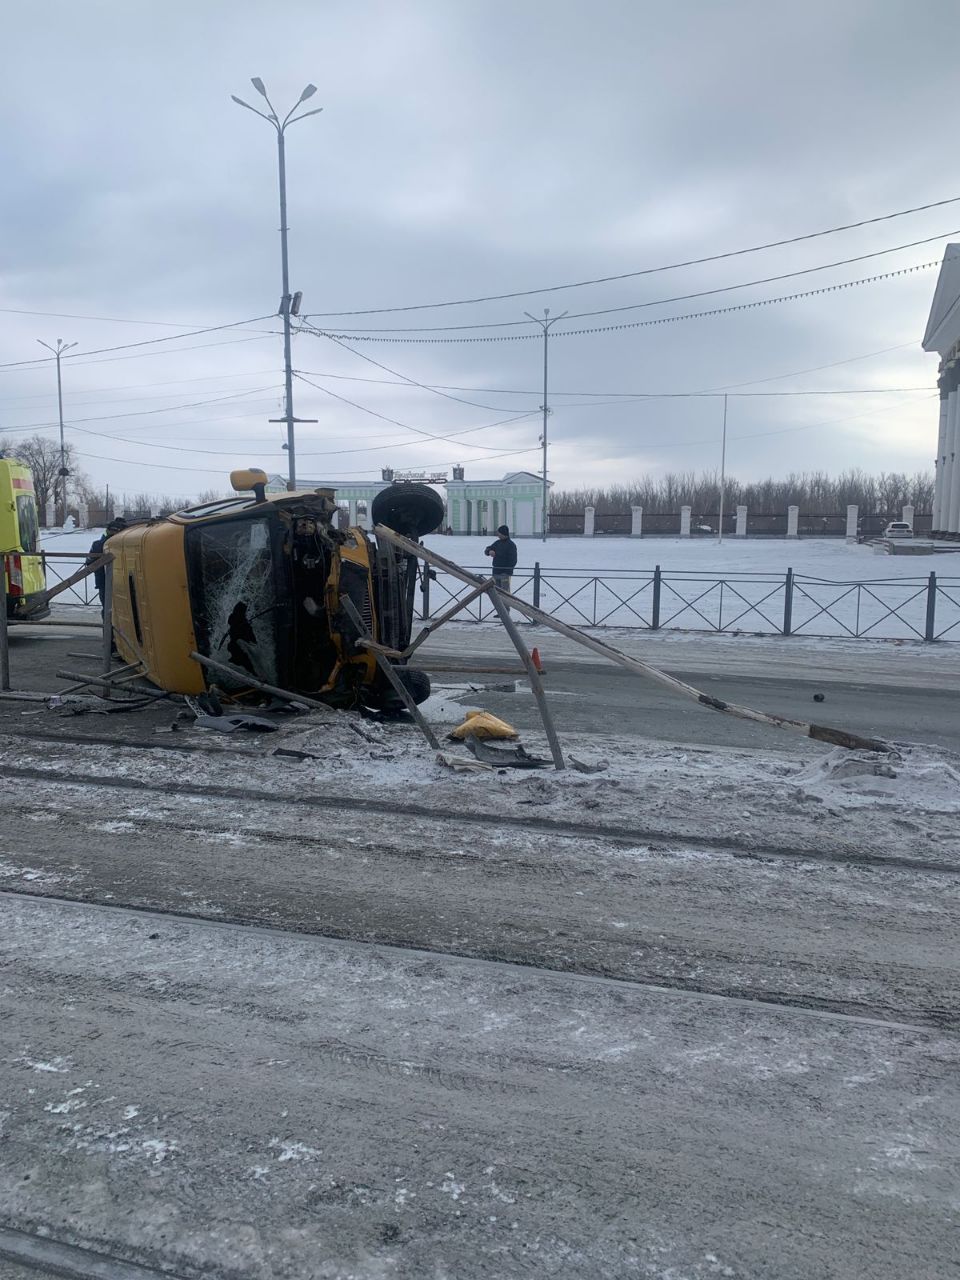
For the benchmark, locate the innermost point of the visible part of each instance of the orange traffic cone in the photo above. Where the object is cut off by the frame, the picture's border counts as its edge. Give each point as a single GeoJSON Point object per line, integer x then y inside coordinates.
{"type": "Point", "coordinates": [535, 655]}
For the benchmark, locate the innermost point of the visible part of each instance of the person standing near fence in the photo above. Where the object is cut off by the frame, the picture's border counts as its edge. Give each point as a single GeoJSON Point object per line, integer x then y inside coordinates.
{"type": "Point", "coordinates": [504, 553]}
{"type": "Point", "coordinates": [96, 551]}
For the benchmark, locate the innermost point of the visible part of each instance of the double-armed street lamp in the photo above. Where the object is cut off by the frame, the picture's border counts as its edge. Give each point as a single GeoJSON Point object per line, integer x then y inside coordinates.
{"type": "Point", "coordinates": [289, 306]}
{"type": "Point", "coordinates": [58, 351]}
{"type": "Point", "coordinates": [545, 325]}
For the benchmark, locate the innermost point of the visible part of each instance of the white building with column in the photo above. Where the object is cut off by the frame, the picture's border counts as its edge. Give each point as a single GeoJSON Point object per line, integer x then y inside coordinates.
{"type": "Point", "coordinates": [480, 506]}
{"type": "Point", "coordinates": [943, 336]}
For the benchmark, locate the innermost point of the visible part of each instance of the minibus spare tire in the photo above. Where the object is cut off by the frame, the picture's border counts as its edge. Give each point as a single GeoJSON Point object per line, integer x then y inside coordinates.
{"type": "Point", "coordinates": [413, 510]}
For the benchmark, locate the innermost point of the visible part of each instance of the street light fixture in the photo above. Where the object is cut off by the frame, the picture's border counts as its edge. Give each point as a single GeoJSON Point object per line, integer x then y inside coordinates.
{"type": "Point", "coordinates": [545, 324]}
{"type": "Point", "coordinates": [60, 349]}
{"type": "Point", "coordinates": [286, 310]}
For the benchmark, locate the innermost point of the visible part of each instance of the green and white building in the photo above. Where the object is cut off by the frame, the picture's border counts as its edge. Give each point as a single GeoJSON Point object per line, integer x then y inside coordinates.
{"type": "Point", "coordinates": [472, 506]}
{"type": "Point", "coordinates": [479, 506]}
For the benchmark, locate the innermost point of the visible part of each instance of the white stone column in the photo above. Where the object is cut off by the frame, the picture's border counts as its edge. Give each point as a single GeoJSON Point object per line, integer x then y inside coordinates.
{"type": "Point", "coordinates": [953, 465]}
{"type": "Point", "coordinates": [741, 522]}
{"type": "Point", "coordinates": [906, 515]}
{"type": "Point", "coordinates": [940, 466]}
{"type": "Point", "coordinates": [852, 514]}
{"type": "Point", "coordinates": [636, 522]}
{"type": "Point", "coordinates": [793, 519]}
{"type": "Point", "coordinates": [154, 512]}
{"type": "Point", "coordinates": [685, 522]}
{"type": "Point", "coordinates": [589, 515]}
{"type": "Point", "coordinates": [49, 515]}
{"type": "Point", "coordinates": [509, 522]}
{"type": "Point", "coordinates": [85, 516]}
{"type": "Point", "coordinates": [352, 511]}
{"type": "Point", "coordinates": [949, 450]}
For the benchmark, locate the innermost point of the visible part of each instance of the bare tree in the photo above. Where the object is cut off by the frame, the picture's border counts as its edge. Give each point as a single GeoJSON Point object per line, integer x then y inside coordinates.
{"type": "Point", "coordinates": [42, 455]}
{"type": "Point", "coordinates": [815, 493]}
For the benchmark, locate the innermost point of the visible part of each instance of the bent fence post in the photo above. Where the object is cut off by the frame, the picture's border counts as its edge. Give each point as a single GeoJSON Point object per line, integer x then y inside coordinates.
{"type": "Point", "coordinates": [820, 733]}
{"type": "Point", "coordinates": [390, 671]}
{"type": "Point", "coordinates": [533, 675]}
{"type": "Point", "coordinates": [456, 608]}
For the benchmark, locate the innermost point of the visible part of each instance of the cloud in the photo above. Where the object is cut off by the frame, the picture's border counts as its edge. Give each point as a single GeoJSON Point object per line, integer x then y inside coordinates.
{"type": "Point", "coordinates": [470, 149]}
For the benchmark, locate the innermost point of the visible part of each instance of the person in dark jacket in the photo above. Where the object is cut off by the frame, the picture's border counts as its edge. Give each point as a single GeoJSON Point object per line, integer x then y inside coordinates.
{"type": "Point", "coordinates": [96, 551]}
{"type": "Point", "coordinates": [504, 553]}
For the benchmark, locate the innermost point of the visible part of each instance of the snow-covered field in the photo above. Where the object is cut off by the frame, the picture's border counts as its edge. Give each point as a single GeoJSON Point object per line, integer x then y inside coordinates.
{"type": "Point", "coordinates": [736, 586]}
{"type": "Point", "coordinates": [839, 589]}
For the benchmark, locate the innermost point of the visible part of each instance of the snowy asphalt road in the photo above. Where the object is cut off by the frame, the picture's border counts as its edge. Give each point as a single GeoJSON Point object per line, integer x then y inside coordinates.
{"type": "Point", "coordinates": [875, 689]}
{"type": "Point", "coordinates": [334, 1109]}
{"type": "Point", "coordinates": [446, 1049]}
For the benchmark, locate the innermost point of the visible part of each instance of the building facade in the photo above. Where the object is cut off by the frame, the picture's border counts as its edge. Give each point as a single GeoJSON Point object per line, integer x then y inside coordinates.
{"type": "Point", "coordinates": [943, 336]}
{"type": "Point", "coordinates": [472, 506]}
{"type": "Point", "coordinates": [480, 506]}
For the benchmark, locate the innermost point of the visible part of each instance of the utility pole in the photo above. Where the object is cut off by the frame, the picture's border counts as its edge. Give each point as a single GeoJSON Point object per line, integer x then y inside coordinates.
{"type": "Point", "coordinates": [289, 305]}
{"type": "Point", "coordinates": [723, 466]}
{"type": "Point", "coordinates": [58, 351]}
{"type": "Point", "coordinates": [545, 324]}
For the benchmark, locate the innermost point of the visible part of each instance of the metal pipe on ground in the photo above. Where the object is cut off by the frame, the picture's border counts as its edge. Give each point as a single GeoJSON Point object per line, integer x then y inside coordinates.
{"type": "Point", "coordinates": [295, 699]}
{"type": "Point", "coordinates": [819, 733]}
{"type": "Point", "coordinates": [101, 682]}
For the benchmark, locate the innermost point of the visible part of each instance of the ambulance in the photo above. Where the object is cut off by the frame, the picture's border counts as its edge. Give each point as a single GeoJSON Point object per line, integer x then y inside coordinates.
{"type": "Point", "coordinates": [24, 579]}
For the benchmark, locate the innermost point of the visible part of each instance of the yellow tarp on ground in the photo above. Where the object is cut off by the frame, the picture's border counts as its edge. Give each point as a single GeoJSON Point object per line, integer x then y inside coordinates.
{"type": "Point", "coordinates": [483, 725]}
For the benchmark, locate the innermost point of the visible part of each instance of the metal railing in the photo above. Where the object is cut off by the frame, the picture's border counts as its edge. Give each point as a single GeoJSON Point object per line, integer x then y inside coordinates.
{"type": "Point", "coordinates": [60, 565]}
{"type": "Point", "coordinates": [924, 607]}
{"type": "Point", "coordinates": [918, 608]}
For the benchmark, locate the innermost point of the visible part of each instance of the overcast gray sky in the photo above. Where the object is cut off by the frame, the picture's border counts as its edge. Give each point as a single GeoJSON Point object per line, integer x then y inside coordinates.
{"type": "Point", "coordinates": [473, 147]}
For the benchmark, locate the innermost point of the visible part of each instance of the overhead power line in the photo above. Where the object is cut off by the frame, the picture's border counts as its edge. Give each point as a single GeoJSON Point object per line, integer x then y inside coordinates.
{"type": "Point", "coordinates": [629, 395]}
{"type": "Point", "coordinates": [405, 426]}
{"type": "Point", "coordinates": [127, 346]}
{"type": "Point", "coordinates": [70, 315]}
{"type": "Point", "coordinates": [633, 275]}
{"type": "Point", "coordinates": [425, 386]}
{"type": "Point", "coordinates": [141, 413]}
{"type": "Point", "coordinates": [634, 324]}
{"type": "Point", "coordinates": [680, 297]}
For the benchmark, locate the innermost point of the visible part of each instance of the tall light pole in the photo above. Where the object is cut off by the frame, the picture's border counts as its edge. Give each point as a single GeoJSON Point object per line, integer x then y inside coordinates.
{"type": "Point", "coordinates": [723, 467]}
{"type": "Point", "coordinates": [58, 351]}
{"type": "Point", "coordinates": [545, 324]}
{"type": "Point", "coordinates": [288, 305]}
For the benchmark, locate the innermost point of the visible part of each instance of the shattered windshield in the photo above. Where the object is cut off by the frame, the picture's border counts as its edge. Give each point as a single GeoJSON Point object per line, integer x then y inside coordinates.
{"type": "Point", "coordinates": [235, 595]}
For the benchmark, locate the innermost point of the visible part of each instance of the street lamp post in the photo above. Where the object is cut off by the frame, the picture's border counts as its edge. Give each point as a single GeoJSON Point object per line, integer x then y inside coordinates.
{"type": "Point", "coordinates": [58, 351]}
{"type": "Point", "coordinates": [723, 468]}
{"type": "Point", "coordinates": [288, 307]}
{"type": "Point", "coordinates": [545, 324]}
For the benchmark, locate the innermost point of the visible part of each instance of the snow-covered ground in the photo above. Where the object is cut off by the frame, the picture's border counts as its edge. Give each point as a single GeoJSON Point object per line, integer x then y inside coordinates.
{"type": "Point", "coordinates": [736, 586]}
{"type": "Point", "coordinates": [903, 803]}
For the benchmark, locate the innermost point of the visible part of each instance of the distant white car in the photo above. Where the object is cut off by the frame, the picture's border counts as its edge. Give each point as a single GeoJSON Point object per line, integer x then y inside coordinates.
{"type": "Point", "coordinates": [898, 529]}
